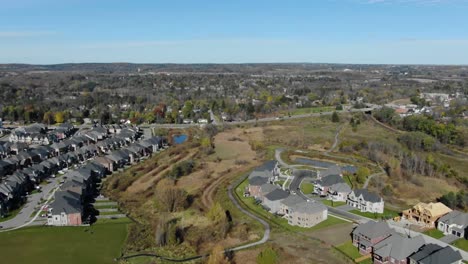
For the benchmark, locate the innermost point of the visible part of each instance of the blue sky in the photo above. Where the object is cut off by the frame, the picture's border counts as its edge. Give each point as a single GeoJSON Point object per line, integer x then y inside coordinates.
{"type": "Point", "coordinates": [222, 31]}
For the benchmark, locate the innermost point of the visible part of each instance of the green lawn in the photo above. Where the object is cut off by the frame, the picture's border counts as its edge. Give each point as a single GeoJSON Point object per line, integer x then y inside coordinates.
{"type": "Point", "coordinates": [349, 250]}
{"type": "Point", "coordinates": [99, 243]}
{"type": "Point", "coordinates": [332, 204]}
{"type": "Point", "coordinates": [110, 213]}
{"type": "Point", "coordinates": [108, 206]}
{"type": "Point", "coordinates": [251, 205]}
{"type": "Point", "coordinates": [311, 110]}
{"type": "Point", "coordinates": [307, 188]}
{"type": "Point", "coordinates": [386, 214]}
{"type": "Point", "coordinates": [461, 243]}
{"type": "Point", "coordinates": [435, 233]}
{"type": "Point", "coordinates": [280, 183]}
{"type": "Point", "coordinates": [10, 214]}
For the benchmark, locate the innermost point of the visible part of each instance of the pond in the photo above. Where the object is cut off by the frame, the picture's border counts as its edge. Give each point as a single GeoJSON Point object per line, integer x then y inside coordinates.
{"type": "Point", "coordinates": [179, 139]}
{"type": "Point", "coordinates": [324, 164]}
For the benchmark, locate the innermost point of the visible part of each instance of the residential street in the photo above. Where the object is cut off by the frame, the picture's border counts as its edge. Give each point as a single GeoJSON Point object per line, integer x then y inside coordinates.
{"type": "Point", "coordinates": [32, 205]}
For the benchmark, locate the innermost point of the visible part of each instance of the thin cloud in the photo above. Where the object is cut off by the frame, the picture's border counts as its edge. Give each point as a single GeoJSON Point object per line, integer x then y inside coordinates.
{"type": "Point", "coordinates": [416, 2]}
{"type": "Point", "coordinates": [155, 43]}
{"type": "Point", "coordinates": [22, 34]}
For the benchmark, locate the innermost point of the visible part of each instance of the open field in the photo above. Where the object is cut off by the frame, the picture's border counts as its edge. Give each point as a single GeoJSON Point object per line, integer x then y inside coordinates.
{"type": "Point", "coordinates": [311, 110]}
{"type": "Point", "coordinates": [100, 243]}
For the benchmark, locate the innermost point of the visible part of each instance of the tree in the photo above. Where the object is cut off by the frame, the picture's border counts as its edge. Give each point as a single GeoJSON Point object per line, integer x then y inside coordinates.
{"type": "Point", "coordinates": [187, 110]}
{"type": "Point", "coordinates": [361, 174]}
{"type": "Point", "coordinates": [267, 256]}
{"type": "Point", "coordinates": [170, 198]}
{"type": "Point", "coordinates": [335, 117]}
{"type": "Point", "coordinates": [59, 117]}
{"type": "Point", "coordinates": [48, 117]}
{"type": "Point", "coordinates": [216, 213]}
{"type": "Point", "coordinates": [217, 255]}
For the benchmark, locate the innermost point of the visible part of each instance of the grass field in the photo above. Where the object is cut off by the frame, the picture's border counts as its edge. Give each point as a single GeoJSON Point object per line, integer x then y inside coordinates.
{"type": "Point", "coordinates": [386, 214]}
{"type": "Point", "coordinates": [100, 243]}
{"type": "Point", "coordinates": [332, 204]}
{"type": "Point", "coordinates": [435, 233]}
{"type": "Point", "coordinates": [307, 188]}
{"type": "Point", "coordinates": [311, 110]}
{"type": "Point", "coordinates": [461, 243]}
{"type": "Point", "coordinates": [349, 250]}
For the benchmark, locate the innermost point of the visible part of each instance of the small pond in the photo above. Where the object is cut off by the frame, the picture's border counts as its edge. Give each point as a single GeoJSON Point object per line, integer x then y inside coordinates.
{"type": "Point", "coordinates": [179, 139]}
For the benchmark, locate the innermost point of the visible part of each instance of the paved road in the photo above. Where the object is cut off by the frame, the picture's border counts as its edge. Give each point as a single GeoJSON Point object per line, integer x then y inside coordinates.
{"type": "Point", "coordinates": [266, 226]}
{"type": "Point", "coordinates": [30, 206]}
{"type": "Point", "coordinates": [24, 216]}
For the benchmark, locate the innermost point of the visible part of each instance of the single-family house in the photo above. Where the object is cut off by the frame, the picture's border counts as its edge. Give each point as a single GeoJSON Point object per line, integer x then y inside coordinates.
{"type": "Point", "coordinates": [306, 214]}
{"type": "Point", "coordinates": [366, 201]}
{"type": "Point", "coordinates": [366, 235]}
{"type": "Point", "coordinates": [435, 254]}
{"type": "Point", "coordinates": [66, 209]}
{"type": "Point", "coordinates": [339, 192]}
{"type": "Point", "coordinates": [396, 249]}
{"type": "Point", "coordinates": [426, 213]}
{"type": "Point", "coordinates": [454, 223]}
{"type": "Point", "coordinates": [272, 200]}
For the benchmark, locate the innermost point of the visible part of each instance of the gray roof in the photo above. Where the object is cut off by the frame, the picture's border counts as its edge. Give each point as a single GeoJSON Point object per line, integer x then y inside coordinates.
{"type": "Point", "coordinates": [341, 188]}
{"type": "Point", "coordinates": [268, 187]}
{"type": "Point", "coordinates": [455, 217]}
{"type": "Point", "coordinates": [373, 229]}
{"type": "Point", "coordinates": [398, 247]}
{"type": "Point", "coordinates": [258, 181]}
{"type": "Point", "coordinates": [260, 173]}
{"type": "Point", "coordinates": [276, 195]}
{"type": "Point", "coordinates": [425, 251]}
{"type": "Point", "coordinates": [66, 201]}
{"type": "Point", "coordinates": [309, 207]}
{"type": "Point", "coordinates": [442, 256]}
{"type": "Point", "coordinates": [292, 200]}
{"type": "Point", "coordinates": [367, 196]}
{"type": "Point", "coordinates": [330, 180]}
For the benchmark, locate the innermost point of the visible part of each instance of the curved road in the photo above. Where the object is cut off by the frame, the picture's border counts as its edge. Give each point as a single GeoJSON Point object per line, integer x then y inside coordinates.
{"type": "Point", "coordinates": [266, 234]}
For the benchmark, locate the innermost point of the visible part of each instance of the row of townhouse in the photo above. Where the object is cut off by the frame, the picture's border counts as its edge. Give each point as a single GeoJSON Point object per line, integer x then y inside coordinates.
{"type": "Point", "coordinates": [384, 245]}
{"type": "Point", "coordinates": [80, 186]}
{"type": "Point", "coordinates": [44, 161]}
{"type": "Point", "coordinates": [70, 201]}
{"type": "Point", "coordinates": [438, 215]}
{"type": "Point", "coordinates": [40, 134]}
{"type": "Point", "coordinates": [295, 209]}
{"type": "Point", "coordinates": [334, 188]}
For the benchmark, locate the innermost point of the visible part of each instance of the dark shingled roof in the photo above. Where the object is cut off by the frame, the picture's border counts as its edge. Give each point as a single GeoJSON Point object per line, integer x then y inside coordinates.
{"type": "Point", "coordinates": [277, 194]}
{"type": "Point", "coordinates": [373, 229]}
{"type": "Point", "coordinates": [330, 180]}
{"type": "Point", "coordinates": [368, 196]}
{"type": "Point", "coordinates": [455, 217]}
{"type": "Point", "coordinates": [437, 256]}
{"type": "Point", "coordinates": [258, 181]}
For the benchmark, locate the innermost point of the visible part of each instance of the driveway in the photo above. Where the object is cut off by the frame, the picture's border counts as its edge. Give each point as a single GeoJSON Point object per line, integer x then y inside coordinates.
{"type": "Point", "coordinates": [449, 239]}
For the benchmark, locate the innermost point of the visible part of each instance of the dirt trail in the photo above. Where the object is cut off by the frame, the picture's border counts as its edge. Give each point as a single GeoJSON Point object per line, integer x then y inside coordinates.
{"type": "Point", "coordinates": [150, 179]}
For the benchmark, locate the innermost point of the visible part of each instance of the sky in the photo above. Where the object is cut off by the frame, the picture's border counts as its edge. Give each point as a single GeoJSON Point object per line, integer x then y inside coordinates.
{"type": "Point", "coordinates": [236, 31]}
